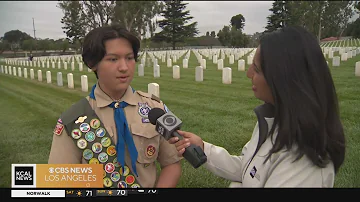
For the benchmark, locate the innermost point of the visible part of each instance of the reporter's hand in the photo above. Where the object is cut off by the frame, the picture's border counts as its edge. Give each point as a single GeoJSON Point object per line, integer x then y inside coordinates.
{"type": "Point", "coordinates": [189, 138]}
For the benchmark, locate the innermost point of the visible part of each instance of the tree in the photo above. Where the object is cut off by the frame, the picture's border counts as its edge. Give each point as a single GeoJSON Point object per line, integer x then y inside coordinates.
{"type": "Point", "coordinates": [353, 29]}
{"type": "Point", "coordinates": [137, 16]}
{"type": "Point", "coordinates": [74, 21]}
{"type": "Point", "coordinates": [4, 45]}
{"type": "Point", "coordinates": [224, 36]}
{"type": "Point", "coordinates": [213, 34]}
{"type": "Point", "coordinates": [173, 26]}
{"type": "Point", "coordinates": [238, 21]}
{"type": "Point", "coordinates": [207, 33]}
{"type": "Point", "coordinates": [279, 16]}
{"type": "Point", "coordinates": [15, 39]}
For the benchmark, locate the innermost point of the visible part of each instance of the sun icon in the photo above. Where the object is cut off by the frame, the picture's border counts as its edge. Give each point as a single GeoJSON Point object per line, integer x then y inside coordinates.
{"type": "Point", "coordinates": [110, 192]}
{"type": "Point", "coordinates": [79, 193]}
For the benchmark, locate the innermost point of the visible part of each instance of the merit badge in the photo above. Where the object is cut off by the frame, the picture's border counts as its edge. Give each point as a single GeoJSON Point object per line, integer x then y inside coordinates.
{"type": "Point", "coordinates": [95, 123]}
{"type": "Point", "coordinates": [103, 157]}
{"type": "Point", "coordinates": [111, 151]}
{"type": "Point", "coordinates": [81, 119]}
{"type": "Point", "coordinates": [146, 165]}
{"type": "Point", "coordinates": [150, 151]}
{"type": "Point", "coordinates": [58, 129]}
{"type": "Point", "coordinates": [59, 120]}
{"type": "Point", "coordinates": [96, 147]}
{"type": "Point", "coordinates": [105, 141]}
{"type": "Point", "coordinates": [81, 143]}
{"type": "Point", "coordinates": [127, 171]}
{"type": "Point", "coordinates": [94, 161]}
{"type": "Point", "coordinates": [115, 176]}
{"type": "Point", "coordinates": [109, 167]}
{"type": "Point", "coordinates": [100, 132]}
{"type": "Point", "coordinates": [76, 134]}
{"type": "Point", "coordinates": [107, 182]}
{"type": "Point", "coordinates": [88, 154]}
{"type": "Point", "coordinates": [85, 127]}
{"type": "Point", "coordinates": [122, 184]}
{"type": "Point", "coordinates": [90, 136]}
{"type": "Point", "coordinates": [116, 163]}
{"type": "Point", "coordinates": [135, 186]}
{"type": "Point", "coordinates": [130, 179]}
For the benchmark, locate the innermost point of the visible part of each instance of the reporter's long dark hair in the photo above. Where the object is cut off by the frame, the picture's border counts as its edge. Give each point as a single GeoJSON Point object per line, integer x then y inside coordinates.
{"type": "Point", "coordinates": [306, 105]}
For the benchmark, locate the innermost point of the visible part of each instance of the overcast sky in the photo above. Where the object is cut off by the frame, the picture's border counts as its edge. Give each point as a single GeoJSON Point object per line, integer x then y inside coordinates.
{"type": "Point", "coordinates": [210, 15]}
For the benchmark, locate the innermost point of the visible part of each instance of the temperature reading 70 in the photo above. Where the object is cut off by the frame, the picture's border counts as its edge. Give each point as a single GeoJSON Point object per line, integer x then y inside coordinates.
{"type": "Point", "coordinates": [121, 192]}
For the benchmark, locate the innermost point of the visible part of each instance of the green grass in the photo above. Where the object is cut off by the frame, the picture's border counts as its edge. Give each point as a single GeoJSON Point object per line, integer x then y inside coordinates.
{"type": "Point", "coordinates": [221, 114]}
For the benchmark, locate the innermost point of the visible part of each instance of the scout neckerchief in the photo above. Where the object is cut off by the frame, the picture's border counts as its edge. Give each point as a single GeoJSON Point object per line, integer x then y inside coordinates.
{"type": "Point", "coordinates": [124, 135]}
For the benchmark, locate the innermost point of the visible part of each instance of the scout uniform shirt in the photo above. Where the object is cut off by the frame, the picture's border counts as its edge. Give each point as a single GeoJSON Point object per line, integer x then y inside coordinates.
{"type": "Point", "coordinates": [150, 145]}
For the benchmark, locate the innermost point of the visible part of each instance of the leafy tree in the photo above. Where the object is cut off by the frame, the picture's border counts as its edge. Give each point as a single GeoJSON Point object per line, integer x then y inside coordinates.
{"type": "Point", "coordinates": [174, 28]}
{"type": "Point", "coordinates": [213, 34]}
{"type": "Point", "coordinates": [238, 21]}
{"type": "Point", "coordinates": [207, 33]}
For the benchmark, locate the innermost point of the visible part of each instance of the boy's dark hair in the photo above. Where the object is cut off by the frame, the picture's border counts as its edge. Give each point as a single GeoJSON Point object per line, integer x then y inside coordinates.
{"type": "Point", "coordinates": [94, 43]}
{"type": "Point", "coordinates": [306, 104]}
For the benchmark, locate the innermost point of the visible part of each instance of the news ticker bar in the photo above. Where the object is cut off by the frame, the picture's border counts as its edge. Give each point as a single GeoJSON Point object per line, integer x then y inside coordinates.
{"type": "Point", "coordinates": [81, 193]}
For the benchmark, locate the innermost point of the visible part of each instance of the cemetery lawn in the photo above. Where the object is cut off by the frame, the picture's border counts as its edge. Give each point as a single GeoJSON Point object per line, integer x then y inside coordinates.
{"type": "Point", "coordinates": [220, 114]}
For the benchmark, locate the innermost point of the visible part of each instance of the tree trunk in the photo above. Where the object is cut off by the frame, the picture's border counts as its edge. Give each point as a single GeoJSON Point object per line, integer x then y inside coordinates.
{"type": "Point", "coordinates": [173, 45]}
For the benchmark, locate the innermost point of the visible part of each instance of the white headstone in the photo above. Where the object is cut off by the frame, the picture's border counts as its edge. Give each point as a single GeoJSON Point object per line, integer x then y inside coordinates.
{"type": "Point", "coordinates": [141, 70]}
{"type": "Point", "coordinates": [203, 63]}
{"type": "Point", "coordinates": [48, 77]}
{"type": "Point", "coordinates": [14, 71]}
{"type": "Point", "coordinates": [65, 65]}
{"type": "Point", "coordinates": [72, 66]}
{"type": "Point", "coordinates": [89, 70]}
{"type": "Point", "coordinates": [357, 68]}
{"type": "Point", "coordinates": [80, 66]}
{"type": "Point", "coordinates": [70, 80]}
{"type": "Point", "coordinates": [47, 64]}
{"type": "Point", "coordinates": [53, 65]}
{"type": "Point", "coordinates": [220, 64]}
{"type": "Point", "coordinates": [19, 72]}
{"type": "Point", "coordinates": [39, 75]}
{"type": "Point", "coordinates": [59, 79]}
{"type": "Point", "coordinates": [226, 75]}
{"type": "Point", "coordinates": [231, 59]}
{"type": "Point", "coordinates": [169, 62]}
{"type": "Point", "coordinates": [199, 73]}
{"type": "Point", "coordinates": [31, 73]}
{"type": "Point", "coordinates": [6, 70]}
{"type": "Point", "coordinates": [349, 54]}
{"type": "Point", "coordinates": [42, 64]}
{"type": "Point", "coordinates": [154, 89]}
{"type": "Point", "coordinates": [344, 57]}
{"type": "Point", "coordinates": [25, 73]}
{"type": "Point", "coordinates": [331, 54]}
{"type": "Point", "coordinates": [176, 72]}
{"type": "Point", "coordinates": [241, 65]}
{"type": "Point", "coordinates": [84, 83]}
{"type": "Point", "coordinates": [215, 59]}
{"type": "Point", "coordinates": [10, 70]}
{"type": "Point", "coordinates": [185, 63]}
{"type": "Point", "coordinates": [2, 69]}
{"type": "Point", "coordinates": [336, 61]}
{"type": "Point", "coordinates": [157, 71]}
{"type": "Point", "coordinates": [59, 64]}
{"type": "Point", "coordinates": [249, 59]}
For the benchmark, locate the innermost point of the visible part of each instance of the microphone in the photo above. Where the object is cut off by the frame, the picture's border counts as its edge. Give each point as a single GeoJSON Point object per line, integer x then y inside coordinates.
{"type": "Point", "coordinates": [167, 125]}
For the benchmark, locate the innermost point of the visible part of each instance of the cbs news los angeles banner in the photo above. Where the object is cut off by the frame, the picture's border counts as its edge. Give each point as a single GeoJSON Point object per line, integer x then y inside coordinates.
{"type": "Point", "coordinates": [76, 180]}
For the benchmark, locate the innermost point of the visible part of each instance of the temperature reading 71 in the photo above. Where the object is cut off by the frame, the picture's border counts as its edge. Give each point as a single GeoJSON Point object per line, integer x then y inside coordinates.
{"type": "Point", "coordinates": [88, 193]}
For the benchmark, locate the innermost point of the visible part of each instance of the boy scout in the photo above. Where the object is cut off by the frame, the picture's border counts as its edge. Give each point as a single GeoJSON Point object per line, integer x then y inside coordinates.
{"type": "Point", "coordinates": [110, 126]}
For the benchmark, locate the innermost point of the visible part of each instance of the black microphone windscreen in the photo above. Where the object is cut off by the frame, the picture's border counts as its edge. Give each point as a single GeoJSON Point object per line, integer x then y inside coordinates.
{"type": "Point", "coordinates": [154, 114]}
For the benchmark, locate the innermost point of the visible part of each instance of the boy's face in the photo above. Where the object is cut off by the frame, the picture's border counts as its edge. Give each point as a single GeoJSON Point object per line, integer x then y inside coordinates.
{"type": "Point", "coordinates": [116, 70]}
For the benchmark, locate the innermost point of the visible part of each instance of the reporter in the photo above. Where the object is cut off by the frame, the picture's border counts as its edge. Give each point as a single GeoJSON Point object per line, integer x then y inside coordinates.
{"type": "Point", "coordinates": [298, 140]}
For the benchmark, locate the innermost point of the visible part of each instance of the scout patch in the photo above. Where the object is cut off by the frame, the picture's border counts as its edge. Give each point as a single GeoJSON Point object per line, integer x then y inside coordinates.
{"type": "Point", "coordinates": [150, 151]}
{"type": "Point", "coordinates": [135, 186]}
{"type": "Point", "coordinates": [81, 143]}
{"type": "Point", "coordinates": [88, 154]}
{"type": "Point", "coordinates": [59, 120]}
{"type": "Point", "coordinates": [90, 136]}
{"type": "Point", "coordinates": [100, 132]}
{"type": "Point", "coordinates": [58, 129]}
{"type": "Point", "coordinates": [122, 184]}
{"type": "Point", "coordinates": [143, 111]}
{"type": "Point", "coordinates": [116, 163]}
{"type": "Point", "coordinates": [109, 167]}
{"type": "Point", "coordinates": [253, 172]}
{"type": "Point", "coordinates": [94, 161]}
{"type": "Point", "coordinates": [130, 179]}
{"type": "Point", "coordinates": [111, 151]}
{"type": "Point", "coordinates": [107, 182]}
{"type": "Point", "coordinates": [81, 119]}
{"type": "Point", "coordinates": [115, 176]}
{"type": "Point", "coordinates": [96, 147]}
{"type": "Point", "coordinates": [76, 134]}
{"type": "Point", "coordinates": [103, 157]}
{"type": "Point", "coordinates": [95, 123]}
{"type": "Point", "coordinates": [126, 171]}
{"type": "Point", "coordinates": [84, 127]}
{"type": "Point", "coordinates": [105, 141]}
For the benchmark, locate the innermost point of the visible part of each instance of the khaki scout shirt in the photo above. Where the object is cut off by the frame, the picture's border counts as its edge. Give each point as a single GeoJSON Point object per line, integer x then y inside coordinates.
{"type": "Point", "coordinates": [65, 151]}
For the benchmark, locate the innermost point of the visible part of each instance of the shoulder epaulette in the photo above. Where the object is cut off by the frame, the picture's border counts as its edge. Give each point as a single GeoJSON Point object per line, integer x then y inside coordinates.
{"type": "Point", "coordinates": [151, 96]}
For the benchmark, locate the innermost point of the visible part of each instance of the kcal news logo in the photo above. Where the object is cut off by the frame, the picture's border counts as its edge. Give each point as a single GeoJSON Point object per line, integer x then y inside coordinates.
{"type": "Point", "coordinates": [23, 175]}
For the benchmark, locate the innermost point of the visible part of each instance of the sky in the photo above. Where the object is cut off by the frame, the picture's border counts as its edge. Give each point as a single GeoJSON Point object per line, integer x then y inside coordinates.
{"type": "Point", "coordinates": [210, 15]}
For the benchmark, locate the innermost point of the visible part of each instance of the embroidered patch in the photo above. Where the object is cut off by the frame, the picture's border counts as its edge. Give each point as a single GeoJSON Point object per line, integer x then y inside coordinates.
{"type": "Point", "coordinates": [253, 172]}
{"type": "Point", "coordinates": [59, 121]}
{"type": "Point", "coordinates": [58, 129]}
{"type": "Point", "coordinates": [81, 119]}
{"type": "Point", "coordinates": [150, 151]}
{"type": "Point", "coordinates": [144, 109]}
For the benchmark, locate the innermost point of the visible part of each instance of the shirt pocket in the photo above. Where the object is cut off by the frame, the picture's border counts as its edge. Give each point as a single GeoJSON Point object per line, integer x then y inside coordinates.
{"type": "Point", "coordinates": [147, 142]}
